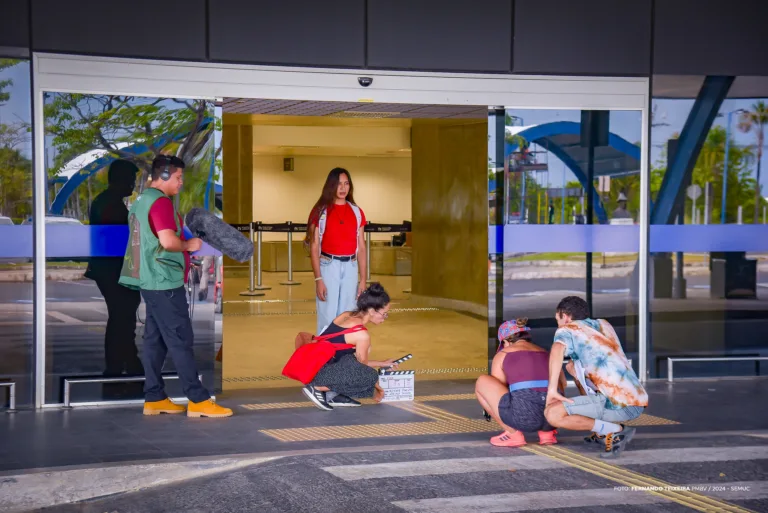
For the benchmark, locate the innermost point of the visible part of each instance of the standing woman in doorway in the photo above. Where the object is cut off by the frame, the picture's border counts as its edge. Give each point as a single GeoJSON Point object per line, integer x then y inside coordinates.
{"type": "Point", "coordinates": [337, 248]}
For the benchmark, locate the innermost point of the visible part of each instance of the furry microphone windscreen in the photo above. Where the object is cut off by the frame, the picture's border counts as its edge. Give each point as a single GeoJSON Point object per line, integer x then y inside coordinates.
{"type": "Point", "coordinates": [219, 234]}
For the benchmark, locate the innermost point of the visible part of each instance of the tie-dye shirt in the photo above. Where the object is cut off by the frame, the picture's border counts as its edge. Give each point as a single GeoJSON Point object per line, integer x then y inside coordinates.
{"type": "Point", "coordinates": [595, 345]}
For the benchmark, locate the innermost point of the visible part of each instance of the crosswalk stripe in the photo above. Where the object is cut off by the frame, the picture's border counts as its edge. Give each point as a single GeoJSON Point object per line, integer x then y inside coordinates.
{"type": "Point", "coordinates": [441, 467]}
{"type": "Point", "coordinates": [552, 499]}
{"type": "Point", "coordinates": [692, 455]}
{"type": "Point", "coordinates": [502, 463]}
{"type": "Point", "coordinates": [630, 478]}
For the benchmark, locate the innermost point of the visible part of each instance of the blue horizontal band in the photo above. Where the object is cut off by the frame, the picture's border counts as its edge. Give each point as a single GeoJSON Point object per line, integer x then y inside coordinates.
{"type": "Point", "coordinates": [576, 238]}
{"type": "Point", "coordinates": [83, 241]}
{"type": "Point", "coordinates": [74, 241]}
{"type": "Point", "coordinates": [542, 383]}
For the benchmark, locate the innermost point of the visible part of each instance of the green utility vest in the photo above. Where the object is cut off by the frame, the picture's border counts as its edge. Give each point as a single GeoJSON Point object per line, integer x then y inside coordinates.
{"type": "Point", "coordinates": [147, 265]}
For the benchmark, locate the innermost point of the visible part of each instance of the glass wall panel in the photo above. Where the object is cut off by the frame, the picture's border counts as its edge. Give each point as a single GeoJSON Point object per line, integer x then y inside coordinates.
{"type": "Point", "coordinates": [709, 238]}
{"type": "Point", "coordinates": [566, 227]}
{"type": "Point", "coordinates": [93, 326]}
{"type": "Point", "coordinates": [16, 272]}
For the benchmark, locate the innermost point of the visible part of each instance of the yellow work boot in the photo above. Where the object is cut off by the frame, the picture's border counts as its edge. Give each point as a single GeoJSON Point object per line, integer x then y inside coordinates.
{"type": "Point", "coordinates": [164, 406]}
{"type": "Point", "coordinates": [207, 409]}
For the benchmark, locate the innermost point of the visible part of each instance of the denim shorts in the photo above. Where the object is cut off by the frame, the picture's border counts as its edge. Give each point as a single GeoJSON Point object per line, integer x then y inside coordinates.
{"type": "Point", "coordinates": [593, 407]}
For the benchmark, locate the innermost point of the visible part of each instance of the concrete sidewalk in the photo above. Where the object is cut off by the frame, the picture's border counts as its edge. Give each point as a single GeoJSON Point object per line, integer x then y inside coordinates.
{"type": "Point", "coordinates": [26, 274]}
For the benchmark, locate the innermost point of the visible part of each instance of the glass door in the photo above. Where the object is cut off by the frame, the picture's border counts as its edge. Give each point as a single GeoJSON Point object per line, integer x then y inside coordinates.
{"type": "Point", "coordinates": [565, 213]}
{"type": "Point", "coordinates": [99, 150]}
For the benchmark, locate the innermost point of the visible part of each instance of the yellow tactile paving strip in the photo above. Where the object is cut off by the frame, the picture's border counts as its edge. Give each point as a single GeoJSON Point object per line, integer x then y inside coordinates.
{"type": "Point", "coordinates": [629, 478]}
{"type": "Point", "coordinates": [442, 422]}
{"type": "Point", "coordinates": [380, 430]}
{"type": "Point", "coordinates": [650, 420]}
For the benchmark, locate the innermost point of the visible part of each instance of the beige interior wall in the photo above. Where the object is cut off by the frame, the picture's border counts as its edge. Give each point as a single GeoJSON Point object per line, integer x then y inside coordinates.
{"type": "Point", "coordinates": [382, 188]}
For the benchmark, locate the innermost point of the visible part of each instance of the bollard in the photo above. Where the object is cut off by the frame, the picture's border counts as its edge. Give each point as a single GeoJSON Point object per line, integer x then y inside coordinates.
{"type": "Point", "coordinates": [251, 289]}
{"type": "Point", "coordinates": [368, 257]}
{"type": "Point", "coordinates": [259, 285]}
{"type": "Point", "coordinates": [739, 218]}
{"type": "Point", "coordinates": [290, 257]}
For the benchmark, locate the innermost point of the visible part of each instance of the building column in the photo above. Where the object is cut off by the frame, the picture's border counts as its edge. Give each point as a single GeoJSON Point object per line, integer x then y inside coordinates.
{"type": "Point", "coordinates": [450, 213]}
{"type": "Point", "coordinates": [237, 150]}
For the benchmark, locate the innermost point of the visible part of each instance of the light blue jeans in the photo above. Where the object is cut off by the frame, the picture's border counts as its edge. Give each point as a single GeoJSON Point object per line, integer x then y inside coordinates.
{"type": "Point", "coordinates": [341, 280]}
{"type": "Point", "coordinates": [593, 407]}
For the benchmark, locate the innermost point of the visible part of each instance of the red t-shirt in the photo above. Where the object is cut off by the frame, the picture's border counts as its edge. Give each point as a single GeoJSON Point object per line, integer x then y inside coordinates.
{"type": "Point", "coordinates": [340, 236]}
{"type": "Point", "coordinates": [161, 218]}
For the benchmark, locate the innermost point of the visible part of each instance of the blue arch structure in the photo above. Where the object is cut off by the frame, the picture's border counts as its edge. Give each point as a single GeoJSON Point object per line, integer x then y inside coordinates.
{"type": "Point", "coordinates": [711, 96]}
{"type": "Point", "coordinates": [544, 135]}
{"type": "Point", "coordinates": [136, 149]}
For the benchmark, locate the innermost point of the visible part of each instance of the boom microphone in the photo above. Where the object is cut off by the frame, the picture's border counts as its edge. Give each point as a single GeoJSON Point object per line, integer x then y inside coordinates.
{"type": "Point", "coordinates": [219, 234]}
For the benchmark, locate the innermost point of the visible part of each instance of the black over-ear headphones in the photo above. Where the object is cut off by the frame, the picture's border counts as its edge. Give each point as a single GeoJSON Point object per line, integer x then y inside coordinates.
{"type": "Point", "coordinates": [165, 175]}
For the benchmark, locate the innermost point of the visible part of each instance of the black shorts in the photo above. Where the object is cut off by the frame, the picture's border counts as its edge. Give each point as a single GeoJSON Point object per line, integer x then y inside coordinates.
{"type": "Point", "coordinates": [524, 410]}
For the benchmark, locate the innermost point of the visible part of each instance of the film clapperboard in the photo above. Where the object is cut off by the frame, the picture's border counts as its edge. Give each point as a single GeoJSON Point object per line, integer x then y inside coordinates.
{"type": "Point", "coordinates": [397, 385]}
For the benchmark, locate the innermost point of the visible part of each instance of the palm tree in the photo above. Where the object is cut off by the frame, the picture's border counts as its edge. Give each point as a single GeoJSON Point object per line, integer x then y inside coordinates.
{"type": "Point", "coordinates": [755, 120]}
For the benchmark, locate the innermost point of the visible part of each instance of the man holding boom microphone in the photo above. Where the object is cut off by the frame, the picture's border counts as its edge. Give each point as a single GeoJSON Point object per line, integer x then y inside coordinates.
{"type": "Point", "coordinates": [157, 263]}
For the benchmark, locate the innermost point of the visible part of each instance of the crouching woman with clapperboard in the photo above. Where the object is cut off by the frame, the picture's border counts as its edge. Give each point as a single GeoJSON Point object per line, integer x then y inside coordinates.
{"type": "Point", "coordinates": [334, 366]}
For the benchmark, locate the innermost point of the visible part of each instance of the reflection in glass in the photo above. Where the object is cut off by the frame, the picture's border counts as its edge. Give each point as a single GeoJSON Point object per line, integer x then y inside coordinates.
{"type": "Point", "coordinates": [85, 135]}
{"type": "Point", "coordinates": [709, 244]}
{"type": "Point", "coordinates": [16, 360]}
{"type": "Point", "coordinates": [551, 246]}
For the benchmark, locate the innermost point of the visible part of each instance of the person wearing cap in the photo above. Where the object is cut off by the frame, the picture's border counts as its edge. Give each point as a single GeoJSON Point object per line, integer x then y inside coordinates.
{"type": "Point", "coordinates": [515, 392]}
{"type": "Point", "coordinates": [157, 263]}
{"type": "Point", "coordinates": [120, 353]}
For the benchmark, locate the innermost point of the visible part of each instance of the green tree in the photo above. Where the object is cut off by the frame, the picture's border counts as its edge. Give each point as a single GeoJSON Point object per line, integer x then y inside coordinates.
{"type": "Point", "coordinates": [79, 123]}
{"type": "Point", "coordinates": [15, 190]}
{"type": "Point", "coordinates": [5, 95]}
{"type": "Point", "coordinates": [755, 121]}
{"type": "Point", "coordinates": [15, 168]}
{"type": "Point", "coordinates": [709, 169]}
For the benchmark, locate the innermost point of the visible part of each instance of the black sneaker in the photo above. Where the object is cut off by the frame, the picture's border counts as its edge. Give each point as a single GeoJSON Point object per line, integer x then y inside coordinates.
{"type": "Point", "coordinates": [316, 397]}
{"type": "Point", "coordinates": [594, 438]}
{"type": "Point", "coordinates": [343, 400]}
{"type": "Point", "coordinates": [617, 442]}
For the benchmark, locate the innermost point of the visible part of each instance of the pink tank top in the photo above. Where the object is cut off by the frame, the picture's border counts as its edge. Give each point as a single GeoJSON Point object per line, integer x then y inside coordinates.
{"type": "Point", "coordinates": [527, 367]}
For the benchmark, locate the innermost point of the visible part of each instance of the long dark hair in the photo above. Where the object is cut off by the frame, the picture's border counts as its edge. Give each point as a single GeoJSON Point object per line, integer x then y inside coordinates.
{"type": "Point", "coordinates": [328, 196]}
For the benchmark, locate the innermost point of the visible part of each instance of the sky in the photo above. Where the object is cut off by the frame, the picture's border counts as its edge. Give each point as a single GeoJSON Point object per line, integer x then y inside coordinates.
{"type": "Point", "coordinates": [670, 118]}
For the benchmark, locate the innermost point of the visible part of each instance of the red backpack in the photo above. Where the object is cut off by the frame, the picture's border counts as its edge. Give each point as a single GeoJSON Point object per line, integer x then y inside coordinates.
{"type": "Point", "coordinates": [314, 352]}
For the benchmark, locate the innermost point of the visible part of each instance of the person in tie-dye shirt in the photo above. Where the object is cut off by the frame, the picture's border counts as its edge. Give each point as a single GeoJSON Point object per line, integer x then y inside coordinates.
{"type": "Point", "coordinates": [612, 393]}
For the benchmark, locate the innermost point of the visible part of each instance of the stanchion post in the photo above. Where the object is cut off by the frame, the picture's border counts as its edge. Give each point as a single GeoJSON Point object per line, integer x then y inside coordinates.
{"type": "Point", "coordinates": [251, 292]}
{"type": "Point", "coordinates": [368, 257]}
{"type": "Point", "coordinates": [250, 263]}
{"type": "Point", "coordinates": [259, 285]}
{"type": "Point", "coordinates": [290, 257]}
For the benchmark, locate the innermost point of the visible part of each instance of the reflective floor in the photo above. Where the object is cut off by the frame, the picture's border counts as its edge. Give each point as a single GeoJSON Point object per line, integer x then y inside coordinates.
{"type": "Point", "coordinates": [259, 332]}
